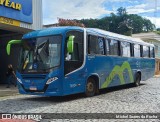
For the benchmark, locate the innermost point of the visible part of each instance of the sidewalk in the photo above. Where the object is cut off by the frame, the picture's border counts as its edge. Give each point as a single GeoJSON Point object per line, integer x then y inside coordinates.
{"type": "Point", "coordinates": [8, 91]}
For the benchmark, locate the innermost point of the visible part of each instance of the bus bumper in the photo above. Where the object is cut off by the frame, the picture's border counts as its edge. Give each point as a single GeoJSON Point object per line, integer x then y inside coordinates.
{"type": "Point", "coordinates": [48, 91]}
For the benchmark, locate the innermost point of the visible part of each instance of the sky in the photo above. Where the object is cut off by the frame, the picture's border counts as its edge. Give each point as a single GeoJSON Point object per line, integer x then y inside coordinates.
{"type": "Point", "coordinates": [96, 9]}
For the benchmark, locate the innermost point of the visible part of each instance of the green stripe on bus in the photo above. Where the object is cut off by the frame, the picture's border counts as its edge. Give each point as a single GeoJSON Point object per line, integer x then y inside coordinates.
{"type": "Point", "coordinates": [117, 70]}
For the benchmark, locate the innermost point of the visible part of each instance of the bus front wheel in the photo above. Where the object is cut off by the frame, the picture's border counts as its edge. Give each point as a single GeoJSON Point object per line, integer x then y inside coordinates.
{"type": "Point", "coordinates": [90, 87]}
{"type": "Point", "coordinates": [137, 79]}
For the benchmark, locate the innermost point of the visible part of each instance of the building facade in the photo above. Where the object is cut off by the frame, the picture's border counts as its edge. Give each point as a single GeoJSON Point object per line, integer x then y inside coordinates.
{"type": "Point", "coordinates": [17, 17]}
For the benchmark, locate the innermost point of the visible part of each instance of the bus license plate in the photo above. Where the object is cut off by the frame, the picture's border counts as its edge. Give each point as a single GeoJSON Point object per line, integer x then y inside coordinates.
{"type": "Point", "coordinates": [33, 88]}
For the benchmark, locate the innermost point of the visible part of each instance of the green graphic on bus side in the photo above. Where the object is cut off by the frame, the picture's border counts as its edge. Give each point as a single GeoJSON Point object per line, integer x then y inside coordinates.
{"type": "Point", "coordinates": [117, 70]}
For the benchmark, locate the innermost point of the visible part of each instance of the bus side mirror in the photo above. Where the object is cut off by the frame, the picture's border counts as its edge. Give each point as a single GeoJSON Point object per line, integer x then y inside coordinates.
{"type": "Point", "coordinates": [70, 44]}
{"type": "Point", "coordinates": [8, 48]}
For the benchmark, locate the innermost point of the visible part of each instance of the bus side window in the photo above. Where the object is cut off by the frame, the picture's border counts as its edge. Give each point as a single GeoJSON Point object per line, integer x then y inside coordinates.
{"type": "Point", "coordinates": [77, 54]}
{"type": "Point", "coordinates": [101, 46]}
{"type": "Point", "coordinates": [96, 45]}
{"type": "Point", "coordinates": [125, 49]}
{"type": "Point", "coordinates": [107, 46]}
{"type": "Point", "coordinates": [114, 48]}
{"type": "Point", "coordinates": [151, 52]}
{"type": "Point", "coordinates": [136, 50]}
{"type": "Point", "coordinates": [132, 49]}
{"type": "Point", "coordinates": [141, 50]}
{"type": "Point", "coordinates": [76, 58]}
{"type": "Point", "coordinates": [92, 44]}
{"type": "Point", "coordinates": [145, 51]}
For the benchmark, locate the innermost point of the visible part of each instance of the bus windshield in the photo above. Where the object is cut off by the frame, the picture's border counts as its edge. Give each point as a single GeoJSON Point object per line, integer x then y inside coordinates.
{"type": "Point", "coordinates": [40, 54]}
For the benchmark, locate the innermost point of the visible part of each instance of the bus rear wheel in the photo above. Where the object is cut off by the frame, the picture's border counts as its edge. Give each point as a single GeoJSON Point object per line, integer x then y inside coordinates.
{"type": "Point", "coordinates": [137, 79]}
{"type": "Point", "coordinates": [90, 87]}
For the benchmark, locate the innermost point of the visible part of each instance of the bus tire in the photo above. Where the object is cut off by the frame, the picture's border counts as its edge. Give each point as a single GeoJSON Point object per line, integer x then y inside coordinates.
{"type": "Point", "coordinates": [137, 79]}
{"type": "Point", "coordinates": [90, 87]}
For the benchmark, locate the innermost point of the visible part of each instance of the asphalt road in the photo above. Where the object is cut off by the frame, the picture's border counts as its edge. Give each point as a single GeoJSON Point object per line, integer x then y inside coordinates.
{"type": "Point", "coordinates": [124, 99]}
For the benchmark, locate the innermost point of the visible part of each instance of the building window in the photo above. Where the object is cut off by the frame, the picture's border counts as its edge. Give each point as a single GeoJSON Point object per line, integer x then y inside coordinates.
{"type": "Point", "coordinates": [125, 49]}
{"type": "Point", "coordinates": [137, 50]}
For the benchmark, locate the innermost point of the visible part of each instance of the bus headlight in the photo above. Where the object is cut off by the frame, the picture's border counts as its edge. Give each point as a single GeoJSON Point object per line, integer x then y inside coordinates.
{"type": "Point", "coordinates": [19, 80]}
{"type": "Point", "coordinates": [51, 80]}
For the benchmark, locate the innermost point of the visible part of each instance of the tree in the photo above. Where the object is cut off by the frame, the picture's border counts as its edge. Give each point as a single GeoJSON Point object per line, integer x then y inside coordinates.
{"type": "Point", "coordinates": [148, 26]}
{"type": "Point", "coordinates": [124, 28]}
{"type": "Point", "coordinates": [113, 23]}
{"type": "Point", "coordinates": [103, 24]}
{"type": "Point", "coordinates": [121, 22]}
{"type": "Point", "coordinates": [137, 23]}
{"type": "Point", "coordinates": [91, 23]}
{"type": "Point", "coordinates": [96, 23]}
{"type": "Point", "coordinates": [121, 11]}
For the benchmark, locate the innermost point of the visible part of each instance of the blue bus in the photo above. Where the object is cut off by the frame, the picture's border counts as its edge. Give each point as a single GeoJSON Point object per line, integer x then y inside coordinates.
{"type": "Point", "coordinates": [68, 60]}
